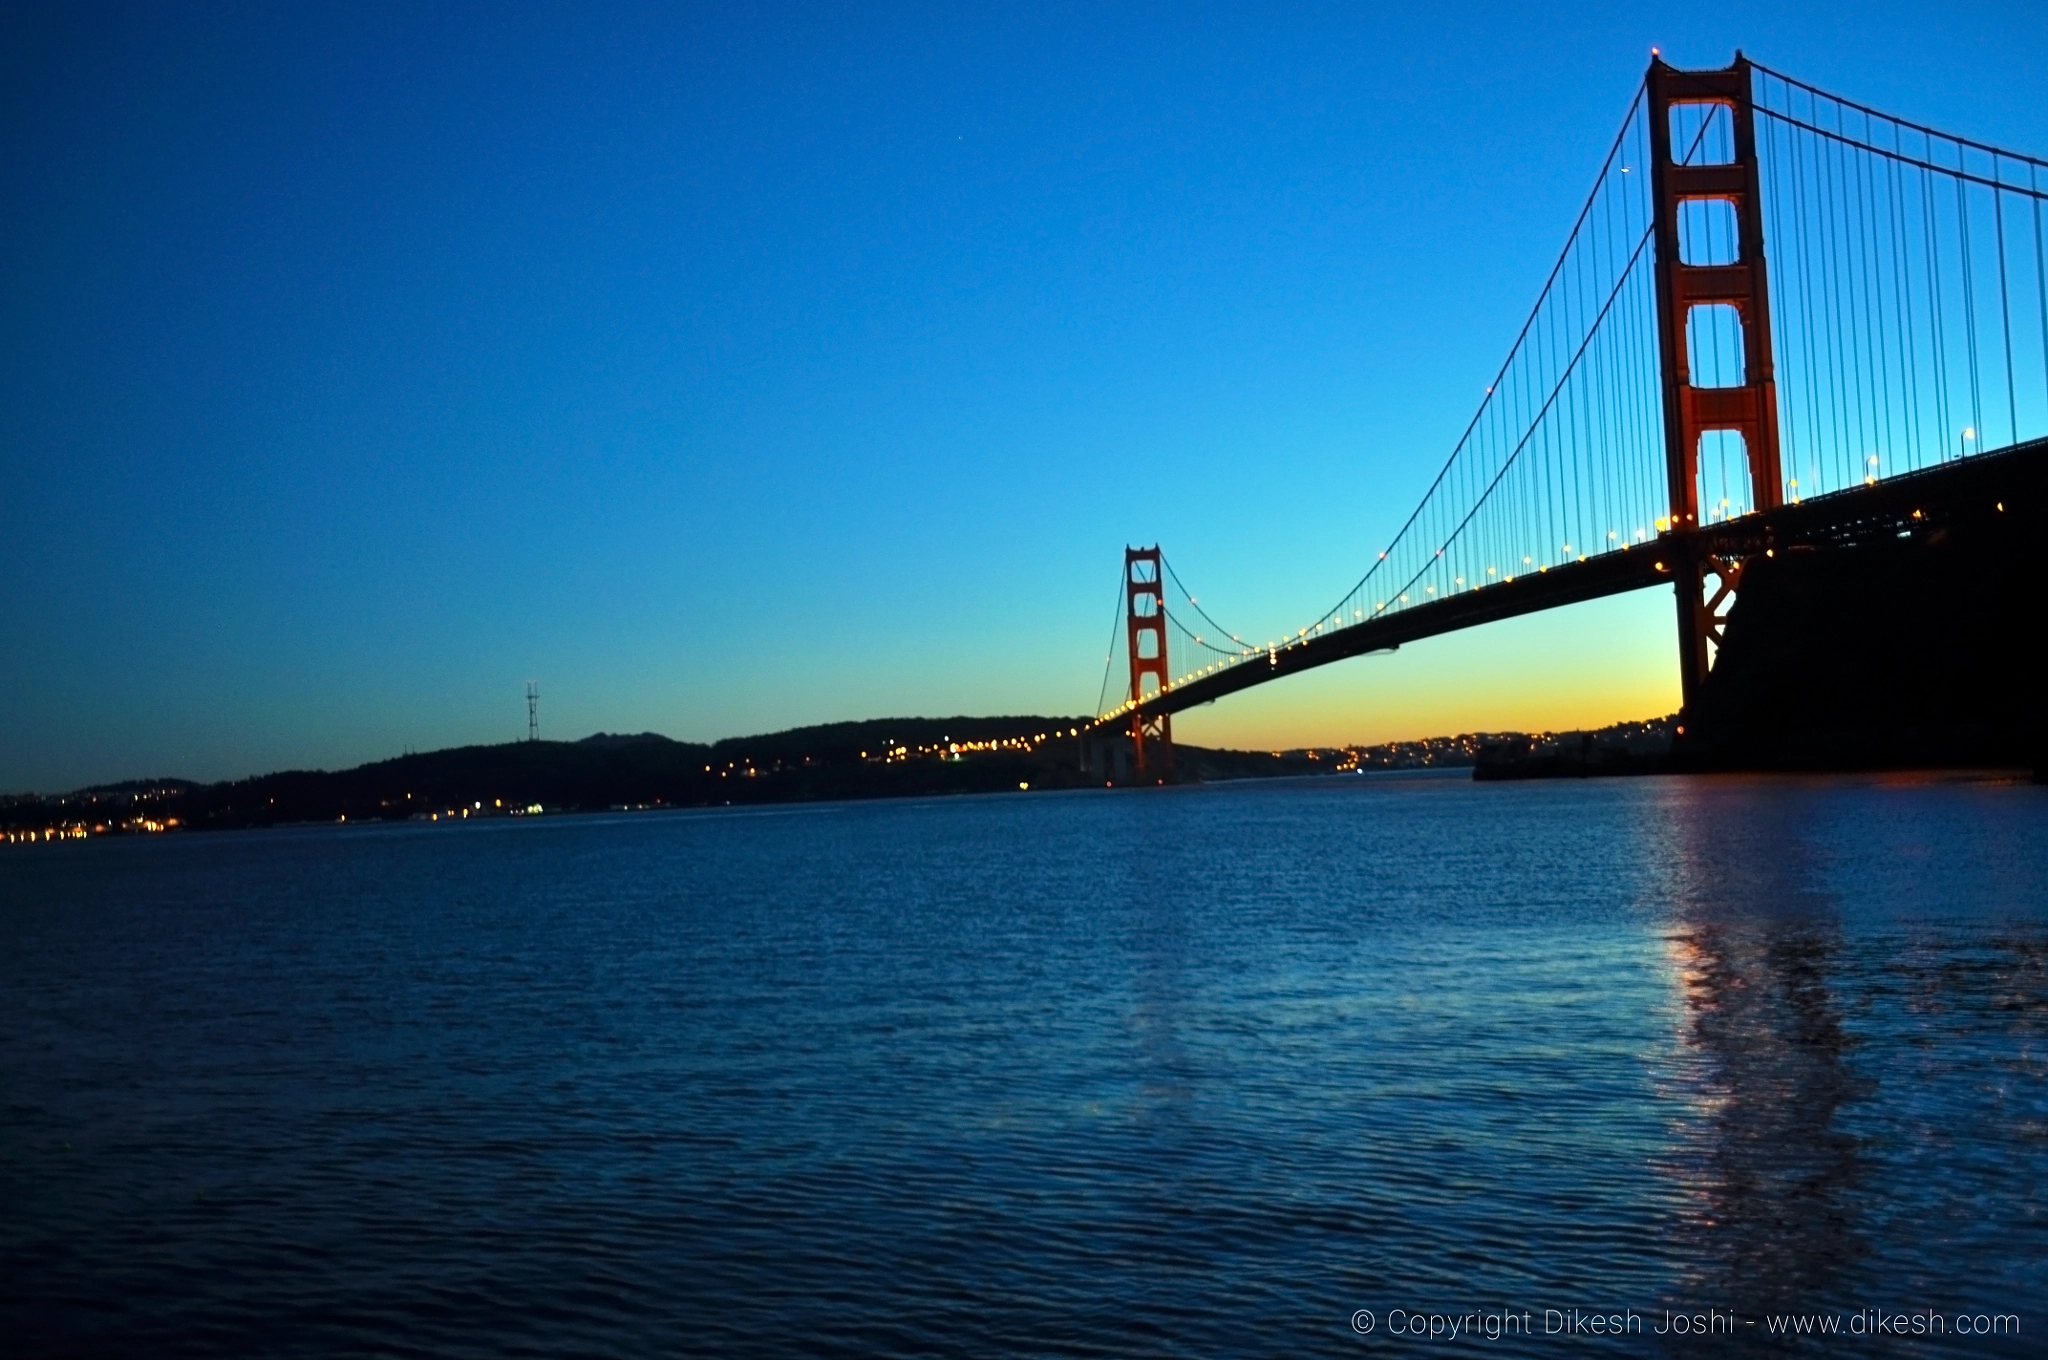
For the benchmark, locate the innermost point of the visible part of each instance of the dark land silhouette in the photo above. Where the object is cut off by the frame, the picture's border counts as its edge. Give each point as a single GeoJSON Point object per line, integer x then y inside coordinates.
{"type": "Point", "coordinates": [1886, 651]}
{"type": "Point", "coordinates": [1900, 652]}
{"type": "Point", "coordinates": [882, 758]}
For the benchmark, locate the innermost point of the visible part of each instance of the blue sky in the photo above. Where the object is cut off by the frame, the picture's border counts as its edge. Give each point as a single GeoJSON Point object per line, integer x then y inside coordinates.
{"type": "Point", "coordinates": [726, 369]}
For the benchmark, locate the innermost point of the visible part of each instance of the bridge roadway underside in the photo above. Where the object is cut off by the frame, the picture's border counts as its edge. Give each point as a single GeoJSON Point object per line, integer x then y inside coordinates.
{"type": "Point", "coordinates": [1922, 506]}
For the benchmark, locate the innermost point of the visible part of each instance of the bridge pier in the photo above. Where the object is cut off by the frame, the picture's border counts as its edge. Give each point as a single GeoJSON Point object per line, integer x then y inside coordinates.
{"type": "Point", "coordinates": [1106, 755]}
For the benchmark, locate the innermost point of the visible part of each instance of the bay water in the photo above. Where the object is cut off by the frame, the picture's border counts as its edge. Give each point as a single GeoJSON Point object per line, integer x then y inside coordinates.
{"type": "Point", "coordinates": [1346, 1066]}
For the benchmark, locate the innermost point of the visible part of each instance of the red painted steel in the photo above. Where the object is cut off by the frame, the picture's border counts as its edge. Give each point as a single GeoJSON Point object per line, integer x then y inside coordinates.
{"type": "Point", "coordinates": [1145, 617]}
{"type": "Point", "coordinates": [1749, 409]}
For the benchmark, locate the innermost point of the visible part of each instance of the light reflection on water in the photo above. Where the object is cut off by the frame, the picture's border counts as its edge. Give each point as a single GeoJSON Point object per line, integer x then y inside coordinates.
{"type": "Point", "coordinates": [1861, 964]}
{"type": "Point", "coordinates": [1189, 1071]}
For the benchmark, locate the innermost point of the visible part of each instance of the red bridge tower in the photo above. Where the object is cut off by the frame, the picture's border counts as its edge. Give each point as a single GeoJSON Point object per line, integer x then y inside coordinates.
{"type": "Point", "coordinates": [1707, 582]}
{"type": "Point", "coordinates": [1145, 628]}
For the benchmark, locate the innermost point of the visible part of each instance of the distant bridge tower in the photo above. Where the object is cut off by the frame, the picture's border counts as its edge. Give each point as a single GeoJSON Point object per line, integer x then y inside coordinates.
{"type": "Point", "coordinates": [1687, 281]}
{"type": "Point", "coordinates": [1145, 625]}
{"type": "Point", "coordinates": [533, 710]}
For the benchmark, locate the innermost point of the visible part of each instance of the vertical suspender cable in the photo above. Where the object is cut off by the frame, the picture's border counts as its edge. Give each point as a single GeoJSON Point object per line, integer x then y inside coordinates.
{"type": "Point", "coordinates": [1803, 215]}
{"type": "Point", "coordinates": [2012, 407]}
{"type": "Point", "coordinates": [1938, 323]}
{"type": "Point", "coordinates": [1969, 301]}
{"type": "Point", "coordinates": [1836, 328]}
{"type": "Point", "coordinates": [2040, 275]}
{"type": "Point", "coordinates": [1854, 289]}
{"type": "Point", "coordinates": [1880, 369]}
{"type": "Point", "coordinates": [1109, 657]}
{"type": "Point", "coordinates": [1902, 307]}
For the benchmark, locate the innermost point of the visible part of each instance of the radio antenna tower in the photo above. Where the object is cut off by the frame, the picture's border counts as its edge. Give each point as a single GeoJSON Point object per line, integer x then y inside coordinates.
{"type": "Point", "coordinates": [533, 710]}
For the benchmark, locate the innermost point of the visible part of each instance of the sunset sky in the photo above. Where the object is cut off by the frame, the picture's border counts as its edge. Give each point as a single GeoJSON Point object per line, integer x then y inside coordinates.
{"type": "Point", "coordinates": [726, 369]}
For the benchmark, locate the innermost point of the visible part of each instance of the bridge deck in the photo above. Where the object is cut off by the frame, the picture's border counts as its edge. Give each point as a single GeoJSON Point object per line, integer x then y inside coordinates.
{"type": "Point", "coordinates": [1899, 504]}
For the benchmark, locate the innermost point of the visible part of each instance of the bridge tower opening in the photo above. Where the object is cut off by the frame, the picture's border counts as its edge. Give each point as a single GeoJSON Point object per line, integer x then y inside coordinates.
{"type": "Point", "coordinates": [1715, 165]}
{"type": "Point", "coordinates": [1145, 636]}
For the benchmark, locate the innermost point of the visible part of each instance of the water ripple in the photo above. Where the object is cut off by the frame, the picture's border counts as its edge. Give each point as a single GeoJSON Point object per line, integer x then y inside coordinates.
{"type": "Point", "coordinates": [1188, 1072]}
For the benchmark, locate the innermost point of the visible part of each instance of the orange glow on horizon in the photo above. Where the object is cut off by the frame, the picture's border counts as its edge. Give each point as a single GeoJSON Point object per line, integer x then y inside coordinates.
{"type": "Point", "coordinates": [1584, 666]}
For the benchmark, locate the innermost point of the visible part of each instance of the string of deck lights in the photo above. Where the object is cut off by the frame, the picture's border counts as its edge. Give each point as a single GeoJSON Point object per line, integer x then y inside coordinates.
{"type": "Point", "coordinates": [1565, 449]}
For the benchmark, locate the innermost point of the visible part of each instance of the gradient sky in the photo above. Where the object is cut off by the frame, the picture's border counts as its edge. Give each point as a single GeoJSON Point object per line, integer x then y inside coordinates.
{"type": "Point", "coordinates": [726, 369]}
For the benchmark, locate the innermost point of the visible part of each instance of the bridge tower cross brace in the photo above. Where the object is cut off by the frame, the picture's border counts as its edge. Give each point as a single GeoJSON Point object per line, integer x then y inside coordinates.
{"type": "Point", "coordinates": [1145, 622]}
{"type": "Point", "coordinates": [1750, 409]}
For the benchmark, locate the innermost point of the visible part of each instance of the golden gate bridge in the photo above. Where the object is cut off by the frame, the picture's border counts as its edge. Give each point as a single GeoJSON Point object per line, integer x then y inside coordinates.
{"type": "Point", "coordinates": [1682, 405]}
